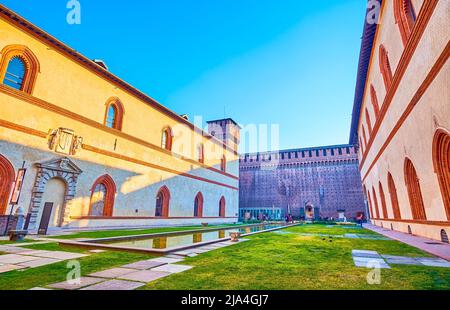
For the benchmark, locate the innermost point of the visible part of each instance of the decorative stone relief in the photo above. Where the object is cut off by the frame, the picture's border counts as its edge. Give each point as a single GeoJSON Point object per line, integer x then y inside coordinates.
{"type": "Point", "coordinates": [64, 141]}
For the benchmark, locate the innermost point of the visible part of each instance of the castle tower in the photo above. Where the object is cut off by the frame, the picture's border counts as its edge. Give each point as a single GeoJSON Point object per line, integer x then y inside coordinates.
{"type": "Point", "coordinates": [227, 131]}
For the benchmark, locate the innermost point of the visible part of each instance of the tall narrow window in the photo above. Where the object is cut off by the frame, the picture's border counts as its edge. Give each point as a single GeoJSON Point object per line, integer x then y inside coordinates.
{"type": "Point", "coordinates": [114, 114]}
{"type": "Point", "coordinates": [385, 67]}
{"type": "Point", "coordinates": [162, 202]}
{"type": "Point", "coordinates": [441, 159]}
{"type": "Point", "coordinates": [15, 73]}
{"type": "Point", "coordinates": [374, 99]}
{"type": "Point", "coordinates": [7, 176]}
{"type": "Point", "coordinates": [198, 205]}
{"type": "Point", "coordinates": [414, 192]}
{"type": "Point", "coordinates": [103, 194]}
{"type": "Point", "coordinates": [200, 153]}
{"type": "Point", "coordinates": [19, 68]}
{"type": "Point", "coordinates": [377, 210]}
{"type": "Point", "coordinates": [166, 139]}
{"type": "Point", "coordinates": [111, 116]}
{"type": "Point", "coordinates": [394, 198]}
{"type": "Point", "coordinates": [405, 18]}
{"type": "Point", "coordinates": [383, 201]}
{"type": "Point", "coordinates": [223, 164]}
{"type": "Point", "coordinates": [369, 123]}
{"type": "Point", "coordinates": [222, 207]}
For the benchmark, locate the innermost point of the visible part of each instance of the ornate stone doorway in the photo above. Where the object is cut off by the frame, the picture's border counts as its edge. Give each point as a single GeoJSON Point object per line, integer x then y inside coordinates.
{"type": "Point", "coordinates": [62, 190]}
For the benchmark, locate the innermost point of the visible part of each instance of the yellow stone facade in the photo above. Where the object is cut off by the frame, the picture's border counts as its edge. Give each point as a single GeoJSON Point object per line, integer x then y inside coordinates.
{"type": "Point", "coordinates": [56, 128]}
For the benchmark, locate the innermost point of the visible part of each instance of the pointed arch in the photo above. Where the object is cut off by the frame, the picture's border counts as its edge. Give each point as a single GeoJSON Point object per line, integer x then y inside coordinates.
{"type": "Point", "coordinates": [103, 195]}
{"type": "Point", "coordinates": [414, 192]}
{"type": "Point", "coordinates": [369, 123]}
{"type": "Point", "coordinates": [30, 61]}
{"type": "Point", "coordinates": [162, 202]}
{"type": "Point", "coordinates": [198, 205]}
{"type": "Point", "coordinates": [7, 178]}
{"type": "Point", "coordinates": [114, 113]}
{"type": "Point", "coordinates": [222, 207]}
{"type": "Point", "coordinates": [374, 100]}
{"type": "Point", "coordinates": [394, 197]}
{"type": "Point", "coordinates": [385, 67]}
{"type": "Point", "coordinates": [375, 201]}
{"type": "Point", "coordinates": [441, 160]}
{"type": "Point", "coordinates": [383, 201]}
{"type": "Point", "coordinates": [405, 18]}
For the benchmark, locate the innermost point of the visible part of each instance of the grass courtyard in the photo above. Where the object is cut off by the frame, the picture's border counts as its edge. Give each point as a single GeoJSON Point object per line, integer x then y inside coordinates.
{"type": "Point", "coordinates": [289, 260]}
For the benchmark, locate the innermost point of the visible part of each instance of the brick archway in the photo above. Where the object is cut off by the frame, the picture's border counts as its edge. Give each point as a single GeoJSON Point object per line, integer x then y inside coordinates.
{"type": "Point", "coordinates": [62, 168]}
{"type": "Point", "coordinates": [198, 205]}
{"type": "Point", "coordinates": [441, 159]}
{"type": "Point", "coordinates": [108, 200]}
{"type": "Point", "coordinates": [162, 202]}
{"type": "Point", "coordinates": [414, 191]}
{"type": "Point", "coordinates": [7, 177]}
{"type": "Point", "coordinates": [222, 205]}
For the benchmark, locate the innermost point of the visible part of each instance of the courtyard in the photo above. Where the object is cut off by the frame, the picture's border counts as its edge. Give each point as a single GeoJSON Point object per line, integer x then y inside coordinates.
{"type": "Point", "coordinates": [315, 256]}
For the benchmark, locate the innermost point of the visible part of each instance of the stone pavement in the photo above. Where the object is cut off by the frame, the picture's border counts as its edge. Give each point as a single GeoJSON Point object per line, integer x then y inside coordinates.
{"type": "Point", "coordinates": [372, 259]}
{"type": "Point", "coordinates": [137, 274]}
{"type": "Point", "coordinates": [18, 258]}
{"type": "Point", "coordinates": [434, 247]}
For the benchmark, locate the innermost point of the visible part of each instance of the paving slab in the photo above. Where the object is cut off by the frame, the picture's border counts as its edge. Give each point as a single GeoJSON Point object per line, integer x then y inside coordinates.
{"type": "Point", "coordinates": [166, 260]}
{"type": "Point", "coordinates": [39, 289]}
{"type": "Point", "coordinates": [97, 251]}
{"type": "Point", "coordinates": [60, 255]}
{"type": "Point", "coordinates": [365, 253]}
{"type": "Point", "coordinates": [114, 285]}
{"type": "Point", "coordinates": [16, 259]}
{"type": "Point", "coordinates": [35, 252]}
{"type": "Point", "coordinates": [199, 251]}
{"type": "Point", "coordinates": [433, 262]}
{"type": "Point", "coordinates": [12, 250]}
{"type": "Point", "coordinates": [183, 253]}
{"type": "Point", "coordinates": [370, 263]}
{"type": "Point", "coordinates": [145, 276]}
{"type": "Point", "coordinates": [172, 268]}
{"type": "Point", "coordinates": [40, 262]}
{"type": "Point", "coordinates": [112, 273]}
{"type": "Point", "coordinates": [175, 256]}
{"type": "Point", "coordinates": [84, 281]}
{"type": "Point", "coordinates": [351, 236]}
{"type": "Point", "coordinates": [143, 265]}
{"type": "Point", "coordinates": [8, 268]}
{"type": "Point", "coordinates": [192, 255]}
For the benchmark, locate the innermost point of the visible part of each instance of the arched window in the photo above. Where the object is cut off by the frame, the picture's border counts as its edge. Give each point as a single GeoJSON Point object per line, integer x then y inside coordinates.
{"type": "Point", "coordinates": [414, 192]}
{"type": "Point", "coordinates": [405, 18]}
{"type": "Point", "coordinates": [374, 99]}
{"type": "Point", "coordinates": [114, 114]}
{"type": "Point", "coordinates": [372, 211]}
{"type": "Point", "coordinates": [369, 123]}
{"type": "Point", "coordinates": [364, 135]}
{"type": "Point", "coordinates": [394, 198]}
{"type": "Point", "coordinates": [198, 205]}
{"type": "Point", "coordinates": [162, 202]}
{"type": "Point", "coordinates": [222, 207]}
{"type": "Point", "coordinates": [441, 160]}
{"type": "Point", "coordinates": [383, 201]}
{"type": "Point", "coordinates": [223, 164]}
{"type": "Point", "coordinates": [103, 194]}
{"type": "Point", "coordinates": [166, 139]}
{"type": "Point", "coordinates": [7, 178]}
{"type": "Point", "coordinates": [385, 67]}
{"type": "Point", "coordinates": [377, 210]}
{"type": "Point", "coordinates": [18, 68]}
{"type": "Point", "coordinates": [200, 155]}
{"type": "Point", "coordinates": [15, 73]}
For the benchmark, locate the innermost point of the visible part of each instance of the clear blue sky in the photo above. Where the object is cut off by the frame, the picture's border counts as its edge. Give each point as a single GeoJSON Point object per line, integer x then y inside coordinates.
{"type": "Point", "coordinates": [286, 62]}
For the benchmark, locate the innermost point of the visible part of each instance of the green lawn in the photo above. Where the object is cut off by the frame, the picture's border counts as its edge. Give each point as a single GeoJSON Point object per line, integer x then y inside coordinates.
{"type": "Point", "coordinates": [29, 278]}
{"type": "Point", "coordinates": [268, 261]}
{"type": "Point", "coordinates": [288, 261]}
{"type": "Point", "coordinates": [128, 232]}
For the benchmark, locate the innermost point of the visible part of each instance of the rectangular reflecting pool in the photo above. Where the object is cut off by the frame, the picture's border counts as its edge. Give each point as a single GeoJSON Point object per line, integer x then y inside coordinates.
{"type": "Point", "coordinates": [183, 240]}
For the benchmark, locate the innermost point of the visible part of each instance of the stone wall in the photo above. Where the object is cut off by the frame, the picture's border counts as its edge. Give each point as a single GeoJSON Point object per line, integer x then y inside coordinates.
{"type": "Point", "coordinates": [325, 178]}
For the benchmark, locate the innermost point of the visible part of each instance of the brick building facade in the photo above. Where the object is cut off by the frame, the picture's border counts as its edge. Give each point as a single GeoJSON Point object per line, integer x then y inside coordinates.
{"type": "Point", "coordinates": [321, 182]}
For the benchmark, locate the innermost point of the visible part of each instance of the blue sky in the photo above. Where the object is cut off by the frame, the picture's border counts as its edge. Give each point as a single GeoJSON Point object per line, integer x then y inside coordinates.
{"type": "Point", "coordinates": [286, 62]}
